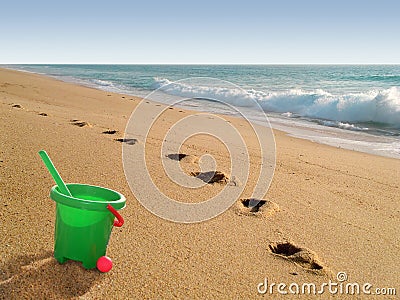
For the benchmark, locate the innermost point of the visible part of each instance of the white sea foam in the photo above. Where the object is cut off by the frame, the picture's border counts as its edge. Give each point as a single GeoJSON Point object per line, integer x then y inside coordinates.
{"type": "Point", "coordinates": [102, 82]}
{"type": "Point", "coordinates": [343, 125]}
{"type": "Point", "coordinates": [287, 114]}
{"type": "Point", "coordinates": [372, 106]}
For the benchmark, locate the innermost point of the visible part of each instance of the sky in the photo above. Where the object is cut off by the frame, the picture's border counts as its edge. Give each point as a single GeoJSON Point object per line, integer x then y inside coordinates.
{"type": "Point", "coordinates": [200, 32]}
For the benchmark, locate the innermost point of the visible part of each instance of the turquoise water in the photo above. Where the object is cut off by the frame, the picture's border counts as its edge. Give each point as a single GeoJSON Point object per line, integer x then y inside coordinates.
{"type": "Point", "coordinates": [354, 99]}
{"type": "Point", "coordinates": [336, 79]}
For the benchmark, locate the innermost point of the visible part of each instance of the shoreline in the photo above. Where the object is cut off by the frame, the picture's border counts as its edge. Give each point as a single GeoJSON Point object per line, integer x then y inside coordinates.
{"type": "Point", "coordinates": [359, 141]}
{"type": "Point", "coordinates": [340, 207]}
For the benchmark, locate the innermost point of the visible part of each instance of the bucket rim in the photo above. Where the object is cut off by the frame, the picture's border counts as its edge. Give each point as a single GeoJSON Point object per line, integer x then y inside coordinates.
{"type": "Point", "coordinates": [87, 204]}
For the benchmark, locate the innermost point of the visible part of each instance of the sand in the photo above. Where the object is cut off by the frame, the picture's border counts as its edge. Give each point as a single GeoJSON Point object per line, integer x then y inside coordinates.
{"type": "Point", "coordinates": [328, 210]}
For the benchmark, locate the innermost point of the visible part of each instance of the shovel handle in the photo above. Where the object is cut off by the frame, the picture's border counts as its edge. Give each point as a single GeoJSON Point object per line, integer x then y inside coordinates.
{"type": "Point", "coordinates": [120, 220]}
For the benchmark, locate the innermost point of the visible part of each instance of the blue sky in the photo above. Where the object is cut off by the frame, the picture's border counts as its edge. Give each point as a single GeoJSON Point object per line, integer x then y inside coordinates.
{"type": "Point", "coordinates": [264, 32]}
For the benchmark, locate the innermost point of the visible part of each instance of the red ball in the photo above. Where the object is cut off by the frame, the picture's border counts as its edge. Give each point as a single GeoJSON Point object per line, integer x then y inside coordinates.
{"type": "Point", "coordinates": [104, 264]}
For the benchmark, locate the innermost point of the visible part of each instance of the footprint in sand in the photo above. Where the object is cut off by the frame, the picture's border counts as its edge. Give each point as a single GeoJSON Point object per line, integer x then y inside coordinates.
{"type": "Point", "coordinates": [80, 123]}
{"type": "Point", "coordinates": [177, 156]}
{"type": "Point", "coordinates": [255, 207]}
{"type": "Point", "coordinates": [188, 163]}
{"type": "Point", "coordinates": [43, 114]}
{"type": "Point", "coordinates": [303, 257]}
{"type": "Point", "coordinates": [127, 141]}
{"type": "Point", "coordinates": [110, 131]}
{"type": "Point", "coordinates": [16, 106]}
{"type": "Point", "coordinates": [211, 177]}
{"type": "Point", "coordinates": [184, 158]}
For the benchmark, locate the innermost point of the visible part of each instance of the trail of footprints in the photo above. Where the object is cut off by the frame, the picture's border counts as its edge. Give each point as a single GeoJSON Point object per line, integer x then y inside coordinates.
{"type": "Point", "coordinates": [19, 106]}
{"type": "Point", "coordinates": [82, 123]}
{"type": "Point", "coordinates": [260, 208]}
{"type": "Point", "coordinates": [257, 208]}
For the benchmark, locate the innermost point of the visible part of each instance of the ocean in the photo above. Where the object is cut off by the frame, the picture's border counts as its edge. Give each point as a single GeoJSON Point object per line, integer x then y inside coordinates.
{"type": "Point", "coordinates": [351, 106]}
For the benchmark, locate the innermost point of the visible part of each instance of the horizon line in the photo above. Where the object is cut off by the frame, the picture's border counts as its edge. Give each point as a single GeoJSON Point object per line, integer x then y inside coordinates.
{"type": "Point", "coordinates": [189, 64]}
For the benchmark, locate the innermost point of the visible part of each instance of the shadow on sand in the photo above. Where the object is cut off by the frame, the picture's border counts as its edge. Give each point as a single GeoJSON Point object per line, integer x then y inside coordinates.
{"type": "Point", "coordinates": [40, 276]}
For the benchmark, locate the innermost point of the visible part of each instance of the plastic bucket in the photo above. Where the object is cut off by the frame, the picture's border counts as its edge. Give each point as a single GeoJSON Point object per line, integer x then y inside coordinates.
{"type": "Point", "coordinates": [84, 222]}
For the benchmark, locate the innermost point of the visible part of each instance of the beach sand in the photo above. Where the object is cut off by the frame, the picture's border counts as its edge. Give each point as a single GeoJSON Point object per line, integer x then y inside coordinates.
{"type": "Point", "coordinates": [328, 210]}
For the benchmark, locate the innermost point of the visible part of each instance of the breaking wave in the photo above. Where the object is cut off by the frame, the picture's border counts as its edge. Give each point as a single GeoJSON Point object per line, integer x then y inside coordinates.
{"type": "Point", "coordinates": [379, 106]}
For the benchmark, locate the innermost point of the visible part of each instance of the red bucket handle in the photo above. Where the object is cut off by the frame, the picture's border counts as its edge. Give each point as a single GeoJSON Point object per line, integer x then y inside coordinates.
{"type": "Point", "coordinates": [120, 220]}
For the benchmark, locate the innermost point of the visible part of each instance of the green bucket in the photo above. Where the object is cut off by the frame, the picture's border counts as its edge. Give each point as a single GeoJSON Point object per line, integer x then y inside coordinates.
{"type": "Point", "coordinates": [84, 222]}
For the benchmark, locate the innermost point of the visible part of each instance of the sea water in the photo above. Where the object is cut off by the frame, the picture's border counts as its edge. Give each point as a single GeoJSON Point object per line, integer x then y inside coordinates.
{"type": "Point", "coordinates": [352, 106]}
